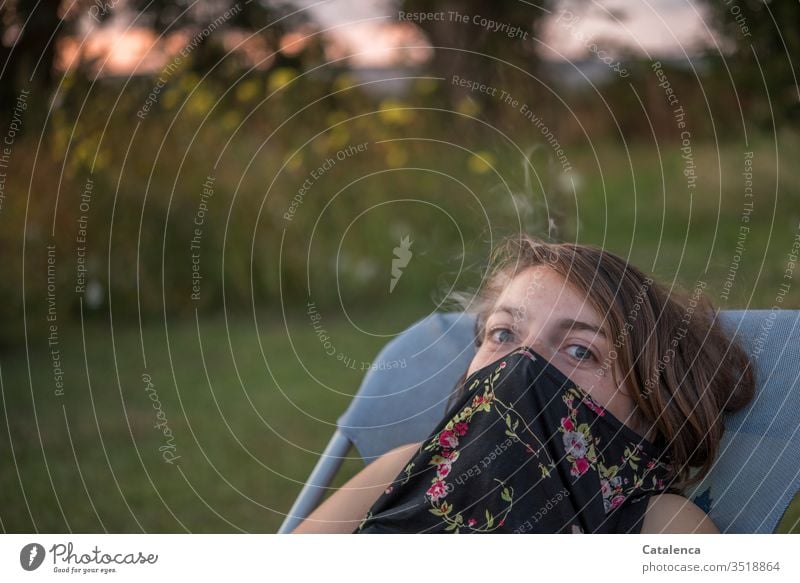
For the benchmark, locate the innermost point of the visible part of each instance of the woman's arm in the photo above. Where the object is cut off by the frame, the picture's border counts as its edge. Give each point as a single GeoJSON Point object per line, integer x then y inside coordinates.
{"type": "Point", "coordinates": [343, 510]}
{"type": "Point", "coordinates": [671, 514]}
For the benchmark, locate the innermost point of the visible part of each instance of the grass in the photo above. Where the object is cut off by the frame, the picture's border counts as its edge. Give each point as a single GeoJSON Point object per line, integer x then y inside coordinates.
{"type": "Point", "coordinates": [646, 213]}
{"type": "Point", "coordinates": [790, 523]}
{"type": "Point", "coordinates": [248, 428]}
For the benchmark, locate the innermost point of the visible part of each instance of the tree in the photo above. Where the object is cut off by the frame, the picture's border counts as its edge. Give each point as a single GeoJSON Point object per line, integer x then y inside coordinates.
{"type": "Point", "coordinates": [502, 30]}
{"type": "Point", "coordinates": [764, 38]}
{"type": "Point", "coordinates": [30, 32]}
{"type": "Point", "coordinates": [28, 37]}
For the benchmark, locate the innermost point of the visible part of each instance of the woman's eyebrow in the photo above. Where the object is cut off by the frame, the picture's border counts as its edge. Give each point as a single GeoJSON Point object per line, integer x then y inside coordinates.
{"type": "Point", "coordinates": [570, 324]}
{"type": "Point", "coordinates": [515, 313]}
{"type": "Point", "coordinates": [564, 323]}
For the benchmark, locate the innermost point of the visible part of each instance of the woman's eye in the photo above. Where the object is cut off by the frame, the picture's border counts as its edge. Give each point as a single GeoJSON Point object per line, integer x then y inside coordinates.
{"type": "Point", "coordinates": [501, 335]}
{"type": "Point", "coordinates": [580, 352]}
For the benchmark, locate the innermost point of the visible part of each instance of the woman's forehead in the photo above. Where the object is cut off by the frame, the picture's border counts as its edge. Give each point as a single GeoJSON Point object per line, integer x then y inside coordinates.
{"type": "Point", "coordinates": [537, 283]}
{"type": "Point", "coordinates": [541, 286]}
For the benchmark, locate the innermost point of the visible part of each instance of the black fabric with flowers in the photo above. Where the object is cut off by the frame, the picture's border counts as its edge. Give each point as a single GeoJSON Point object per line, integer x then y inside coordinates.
{"type": "Point", "coordinates": [524, 450]}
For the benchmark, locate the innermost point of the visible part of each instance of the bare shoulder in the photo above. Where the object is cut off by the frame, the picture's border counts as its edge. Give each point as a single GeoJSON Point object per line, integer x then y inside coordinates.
{"type": "Point", "coordinates": [403, 452]}
{"type": "Point", "coordinates": [671, 513]}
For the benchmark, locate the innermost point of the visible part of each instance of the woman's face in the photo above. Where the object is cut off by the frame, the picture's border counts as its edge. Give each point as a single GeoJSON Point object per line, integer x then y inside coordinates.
{"type": "Point", "coordinates": [538, 308]}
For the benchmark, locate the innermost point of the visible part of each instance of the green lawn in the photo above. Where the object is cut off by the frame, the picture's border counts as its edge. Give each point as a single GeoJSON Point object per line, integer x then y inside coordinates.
{"type": "Point", "coordinates": [790, 523]}
{"type": "Point", "coordinates": [248, 433]}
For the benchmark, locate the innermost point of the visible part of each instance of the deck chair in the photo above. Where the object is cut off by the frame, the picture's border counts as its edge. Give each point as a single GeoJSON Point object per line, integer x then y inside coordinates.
{"type": "Point", "coordinates": [754, 478]}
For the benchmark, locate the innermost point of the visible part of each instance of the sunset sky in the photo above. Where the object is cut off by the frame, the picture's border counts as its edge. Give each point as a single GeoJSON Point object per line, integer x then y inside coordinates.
{"type": "Point", "coordinates": [370, 32]}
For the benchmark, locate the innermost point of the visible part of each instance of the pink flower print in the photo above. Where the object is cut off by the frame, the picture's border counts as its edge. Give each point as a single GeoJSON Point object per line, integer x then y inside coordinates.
{"type": "Point", "coordinates": [612, 485]}
{"type": "Point", "coordinates": [594, 406]}
{"type": "Point", "coordinates": [651, 464]}
{"type": "Point", "coordinates": [388, 490]}
{"type": "Point", "coordinates": [575, 443]}
{"type": "Point", "coordinates": [579, 467]}
{"type": "Point", "coordinates": [472, 522]}
{"type": "Point", "coordinates": [461, 428]}
{"type": "Point", "coordinates": [448, 439]}
{"type": "Point", "coordinates": [443, 469]}
{"type": "Point", "coordinates": [437, 491]}
{"type": "Point", "coordinates": [567, 424]}
{"type": "Point", "coordinates": [616, 501]}
{"type": "Point", "coordinates": [502, 522]}
{"type": "Point", "coordinates": [502, 364]}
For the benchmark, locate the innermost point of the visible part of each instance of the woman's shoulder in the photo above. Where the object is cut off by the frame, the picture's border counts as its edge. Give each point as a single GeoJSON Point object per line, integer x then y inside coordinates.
{"type": "Point", "coordinates": [671, 513]}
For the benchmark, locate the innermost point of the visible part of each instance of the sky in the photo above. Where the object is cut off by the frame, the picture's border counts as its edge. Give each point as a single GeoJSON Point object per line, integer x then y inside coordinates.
{"type": "Point", "coordinates": [660, 27]}
{"type": "Point", "coordinates": [369, 31]}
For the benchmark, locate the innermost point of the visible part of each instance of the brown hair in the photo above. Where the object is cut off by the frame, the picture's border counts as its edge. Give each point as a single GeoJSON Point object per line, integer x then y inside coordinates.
{"type": "Point", "coordinates": [683, 370]}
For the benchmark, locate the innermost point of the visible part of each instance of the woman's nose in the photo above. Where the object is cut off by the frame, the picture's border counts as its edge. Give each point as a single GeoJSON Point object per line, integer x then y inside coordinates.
{"type": "Point", "coordinates": [541, 348]}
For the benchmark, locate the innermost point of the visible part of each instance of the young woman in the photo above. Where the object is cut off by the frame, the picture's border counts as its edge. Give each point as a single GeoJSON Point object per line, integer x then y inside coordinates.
{"type": "Point", "coordinates": [595, 397]}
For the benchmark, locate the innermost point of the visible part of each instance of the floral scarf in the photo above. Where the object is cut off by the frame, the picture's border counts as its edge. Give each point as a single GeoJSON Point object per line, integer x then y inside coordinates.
{"type": "Point", "coordinates": [524, 450]}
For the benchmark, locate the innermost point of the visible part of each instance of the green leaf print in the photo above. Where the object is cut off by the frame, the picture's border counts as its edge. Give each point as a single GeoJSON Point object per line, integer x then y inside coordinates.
{"type": "Point", "coordinates": [545, 471]}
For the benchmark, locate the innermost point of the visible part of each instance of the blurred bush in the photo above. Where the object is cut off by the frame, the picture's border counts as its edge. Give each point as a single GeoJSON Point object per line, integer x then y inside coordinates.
{"type": "Point", "coordinates": [450, 169]}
